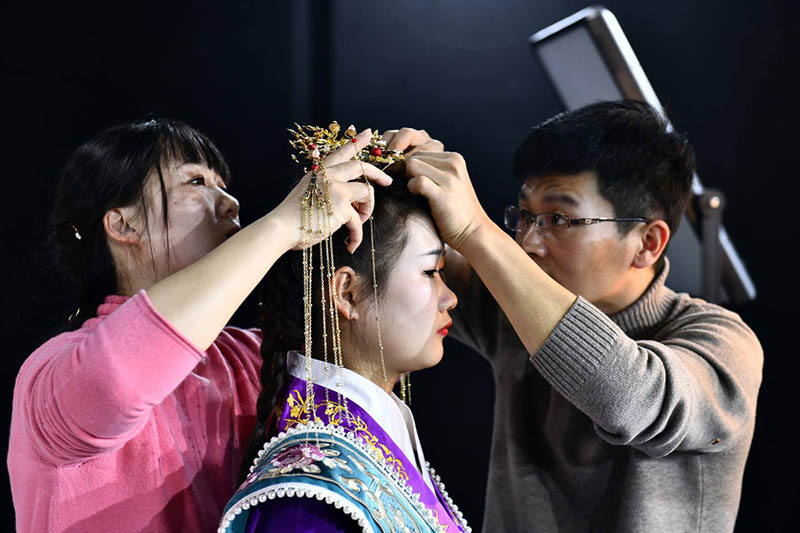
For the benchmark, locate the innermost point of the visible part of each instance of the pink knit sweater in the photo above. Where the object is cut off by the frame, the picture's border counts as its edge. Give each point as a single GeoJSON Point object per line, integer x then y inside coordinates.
{"type": "Point", "coordinates": [124, 425]}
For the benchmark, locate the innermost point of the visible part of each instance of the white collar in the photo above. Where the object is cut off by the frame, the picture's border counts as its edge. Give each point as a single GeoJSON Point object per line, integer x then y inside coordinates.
{"type": "Point", "coordinates": [389, 411]}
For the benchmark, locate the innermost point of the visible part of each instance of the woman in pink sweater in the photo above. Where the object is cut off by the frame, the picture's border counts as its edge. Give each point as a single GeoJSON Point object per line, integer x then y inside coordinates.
{"type": "Point", "coordinates": [135, 419]}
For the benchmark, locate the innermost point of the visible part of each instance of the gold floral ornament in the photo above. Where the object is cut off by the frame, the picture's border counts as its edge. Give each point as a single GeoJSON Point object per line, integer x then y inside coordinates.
{"type": "Point", "coordinates": [314, 143]}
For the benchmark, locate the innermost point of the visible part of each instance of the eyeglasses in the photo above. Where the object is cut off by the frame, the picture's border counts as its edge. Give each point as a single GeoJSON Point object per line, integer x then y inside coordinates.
{"type": "Point", "coordinates": [552, 224]}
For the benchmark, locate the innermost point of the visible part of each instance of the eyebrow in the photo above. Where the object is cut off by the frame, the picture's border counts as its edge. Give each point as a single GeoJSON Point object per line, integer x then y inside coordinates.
{"type": "Point", "coordinates": [554, 197]}
{"type": "Point", "coordinates": [561, 198]}
{"type": "Point", "coordinates": [435, 251]}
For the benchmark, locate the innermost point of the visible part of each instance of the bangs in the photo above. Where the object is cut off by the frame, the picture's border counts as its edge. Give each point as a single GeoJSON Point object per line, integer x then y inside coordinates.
{"type": "Point", "coordinates": [180, 143]}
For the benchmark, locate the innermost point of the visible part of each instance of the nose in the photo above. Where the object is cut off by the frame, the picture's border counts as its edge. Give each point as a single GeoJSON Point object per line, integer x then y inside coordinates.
{"type": "Point", "coordinates": [447, 298]}
{"type": "Point", "coordinates": [531, 240]}
{"type": "Point", "coordinates": [227, 205]}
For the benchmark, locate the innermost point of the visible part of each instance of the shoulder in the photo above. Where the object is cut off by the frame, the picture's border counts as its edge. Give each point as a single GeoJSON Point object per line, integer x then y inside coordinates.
{"type": "Point", "coordinates": [698, 314]}
{"type": "Point", "coordinates": [239, 347]}
{"type": "Point", "coordinates": [301, 464]}
{"type": "Point", "coordinates": [54, 348]}
{"type": "Point", "coordinates": [246, 338]}
{"type": "Point", "coordinates": [713, 328]}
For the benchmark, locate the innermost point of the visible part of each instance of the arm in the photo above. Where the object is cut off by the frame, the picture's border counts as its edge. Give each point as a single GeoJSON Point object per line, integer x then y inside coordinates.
{"type": "Point", "coordinates": [86, 393]}
{"type": "Point", "coordinates": [533, 302]}
{"type": "Point", "coordinates": [200, 299]}
{"type": "Point", "coordinates": [475, 319]}
{"type": "Point", "coordinates": [684, 393]}
{"type": "Point", "coordinates": [695, 389]}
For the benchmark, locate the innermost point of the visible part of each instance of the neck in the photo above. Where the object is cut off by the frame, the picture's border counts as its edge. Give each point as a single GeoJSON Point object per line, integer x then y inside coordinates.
{"type": "Point", "coordinates": [133, 273]}
{"type": "Point", "coordinates": [364, 368]}
{"type": "Point", "coordinates": [364, 358]}
{"type": "Point", "coordinates": [128, 285]}
{"type": "Point", "coordinates": [634, 286]}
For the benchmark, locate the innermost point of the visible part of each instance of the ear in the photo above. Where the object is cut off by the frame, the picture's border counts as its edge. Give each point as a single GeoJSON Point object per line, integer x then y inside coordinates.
{"type": "Point", "coordinates": [345, 283]}
{"type": "Point", "coordinates": [654, 239]}
{"type": "Point", "coordinates": [119, 225]}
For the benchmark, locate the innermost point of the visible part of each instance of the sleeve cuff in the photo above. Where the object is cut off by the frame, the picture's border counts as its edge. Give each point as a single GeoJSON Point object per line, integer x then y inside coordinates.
{"type": "Point", "coordinates": [576, 347]}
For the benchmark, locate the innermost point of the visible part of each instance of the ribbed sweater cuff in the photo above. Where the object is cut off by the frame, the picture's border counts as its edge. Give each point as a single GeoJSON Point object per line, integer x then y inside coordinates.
{"type": "Point", "coordinates": [576, 348]}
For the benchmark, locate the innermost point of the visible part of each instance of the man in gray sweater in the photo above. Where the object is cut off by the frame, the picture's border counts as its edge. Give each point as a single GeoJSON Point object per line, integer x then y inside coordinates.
{"type": "Point", "coordinates": [621, 405]}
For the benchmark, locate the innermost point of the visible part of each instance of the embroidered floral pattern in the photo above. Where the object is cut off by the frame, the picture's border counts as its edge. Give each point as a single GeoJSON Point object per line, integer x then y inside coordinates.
{"type": "Point", "coordinates": [304, 457]}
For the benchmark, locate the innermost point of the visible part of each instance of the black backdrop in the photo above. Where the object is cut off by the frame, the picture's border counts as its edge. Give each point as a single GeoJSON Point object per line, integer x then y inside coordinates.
{"type": "Point", "coordinates": [243, 71]}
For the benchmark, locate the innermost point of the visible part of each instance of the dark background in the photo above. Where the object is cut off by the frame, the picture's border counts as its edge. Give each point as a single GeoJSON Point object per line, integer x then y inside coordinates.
{"type": "Point", "coordinates": [244, 71]}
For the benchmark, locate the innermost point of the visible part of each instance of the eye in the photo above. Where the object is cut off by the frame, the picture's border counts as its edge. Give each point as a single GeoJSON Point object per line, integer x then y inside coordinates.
{"type": "Point", "coordinates": [432, 272]}
{"type": "Point", "coordinates": [198, 180]}
{"type": "Point", "coordinates": [527, 216]}
{"type": "Point", "coordinates": [559, 220]}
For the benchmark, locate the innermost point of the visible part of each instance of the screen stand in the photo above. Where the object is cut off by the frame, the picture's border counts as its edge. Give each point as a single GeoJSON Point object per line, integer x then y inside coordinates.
{"type": "Point", "coordinates": [710, 206]}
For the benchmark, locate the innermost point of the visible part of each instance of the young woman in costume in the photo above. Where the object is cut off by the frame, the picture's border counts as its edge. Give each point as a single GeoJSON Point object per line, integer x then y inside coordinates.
{"type": "Point", "coordinates": [348, 458]}
{"type": "Point", "coordinates": [135, 419]}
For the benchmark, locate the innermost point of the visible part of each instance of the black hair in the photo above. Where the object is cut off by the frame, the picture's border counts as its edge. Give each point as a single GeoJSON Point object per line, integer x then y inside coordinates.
{"type": "Point", "coordinates": [281, 293]}
{"type": "Point", "coordinates": [643, 168]}
{"type": "Point", "coordinates": [108, 171]}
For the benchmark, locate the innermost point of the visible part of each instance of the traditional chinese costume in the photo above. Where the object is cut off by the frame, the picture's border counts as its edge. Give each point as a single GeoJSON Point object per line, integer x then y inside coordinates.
{"type": "Point", "coordinates": [349, 460]}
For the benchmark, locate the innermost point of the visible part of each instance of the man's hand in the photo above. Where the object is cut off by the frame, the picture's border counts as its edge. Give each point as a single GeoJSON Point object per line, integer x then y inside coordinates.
{"type": "Point", "coordinates": [411, 141]}
{"type": "Point", "coordinates": [442, 178]}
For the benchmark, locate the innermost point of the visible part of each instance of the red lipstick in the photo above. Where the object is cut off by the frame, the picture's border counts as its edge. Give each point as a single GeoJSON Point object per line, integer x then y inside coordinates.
{"type": "Point", "coordinates": [443, 331]}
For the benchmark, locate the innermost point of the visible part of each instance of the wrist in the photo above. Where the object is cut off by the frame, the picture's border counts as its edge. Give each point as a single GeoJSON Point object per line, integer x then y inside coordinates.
{"type": "Point", "coordinates": [479, 240]}
{"type": "Point", "coordinates": [280, 231]}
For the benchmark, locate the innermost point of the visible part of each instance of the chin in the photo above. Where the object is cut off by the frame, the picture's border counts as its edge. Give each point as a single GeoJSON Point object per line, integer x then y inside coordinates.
{"type": "Point", "coordinates": [433, 358]}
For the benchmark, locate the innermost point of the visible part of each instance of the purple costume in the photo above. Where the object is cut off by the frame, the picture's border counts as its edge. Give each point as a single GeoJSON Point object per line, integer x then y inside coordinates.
{"type": "Point", "coordinates": [337, 470]}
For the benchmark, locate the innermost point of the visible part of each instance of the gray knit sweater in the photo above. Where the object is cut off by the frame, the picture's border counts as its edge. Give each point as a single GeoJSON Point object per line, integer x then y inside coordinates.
{"type": "Point", "coordinates": [637, 422]}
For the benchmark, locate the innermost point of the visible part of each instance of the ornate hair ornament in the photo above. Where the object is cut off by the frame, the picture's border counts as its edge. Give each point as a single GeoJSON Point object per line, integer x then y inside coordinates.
{"type": "Point", "coordinates": [313, 144]}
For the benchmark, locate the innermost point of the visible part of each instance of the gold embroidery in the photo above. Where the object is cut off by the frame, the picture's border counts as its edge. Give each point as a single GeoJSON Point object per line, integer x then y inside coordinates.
{"type": "Point", "coordinates": [337, 414]}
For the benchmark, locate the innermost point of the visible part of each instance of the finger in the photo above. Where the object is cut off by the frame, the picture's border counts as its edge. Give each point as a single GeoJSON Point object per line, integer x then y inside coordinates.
{"type": "Point", "coordinates": [446, 162]}
{"type": "Point", "coordinates": [356, 192]}
{"type": "Point", "coordinates": [418, 167]}
{"type": "Point", "coordinates": [349, 150]}
{"type": "Point", "coordinates": [424, 186]}
{"type": "Point", "coordinates": [362, 198]}
{"type": "Point", "coordinates": [431, 146]}
{"type": "Point", "coordinates": [365, 208]}
{"type": "Point", "coordinates": [353, 224]}
{"type": "Point", "coordinates": [407, 138]}
{"type": "Point", "coordinates": [351, 170]}
{"type": "Point", "coordinates": [388, 135]}
{"type": "Point", "coordinates": [434, 157]}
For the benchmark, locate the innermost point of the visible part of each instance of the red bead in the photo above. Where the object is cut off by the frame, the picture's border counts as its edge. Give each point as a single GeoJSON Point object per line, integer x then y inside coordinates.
{"type": "Point", "coordinates": [354, 139]}
{"type": "Point", "coordinates": [376, 151]}
{"type": "Point", "coordinates": [313, 147]}
{"type": "Point", "coordinates": [314, 167]}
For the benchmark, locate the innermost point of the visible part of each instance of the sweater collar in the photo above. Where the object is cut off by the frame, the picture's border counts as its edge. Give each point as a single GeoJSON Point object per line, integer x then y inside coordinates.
{"type": "Point", "coordinates": [650, 309]}
{"type": "Point", "coordinates": [110, 304]}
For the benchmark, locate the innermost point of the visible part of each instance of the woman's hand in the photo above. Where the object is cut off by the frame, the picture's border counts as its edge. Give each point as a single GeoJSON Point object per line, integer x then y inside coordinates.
{"type": "Point", "coordinates": [352, 201]}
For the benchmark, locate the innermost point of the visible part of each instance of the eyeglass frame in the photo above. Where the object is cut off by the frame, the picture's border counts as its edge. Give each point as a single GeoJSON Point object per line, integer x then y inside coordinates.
{"type": "Point", "coordinates": [586, 221]}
